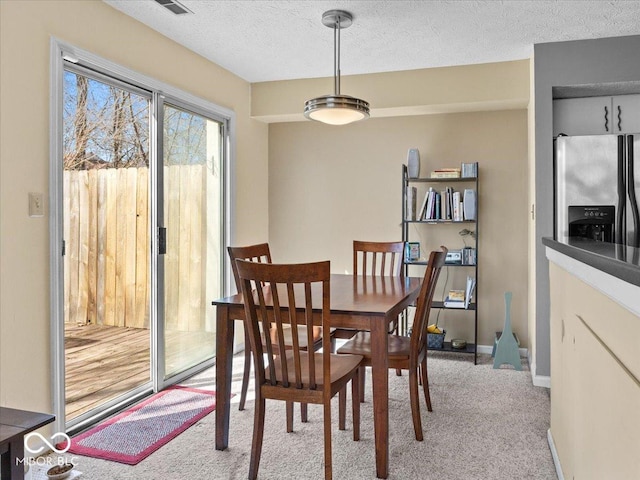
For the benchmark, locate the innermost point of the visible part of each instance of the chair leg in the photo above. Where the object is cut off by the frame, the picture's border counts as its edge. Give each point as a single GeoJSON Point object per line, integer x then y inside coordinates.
{"type": "Point", "coordinates": [425, 384]}
{"type": "Point", "coordinates": [327, 442]}
{"type": "Point", "coordinates": [289, 410]}
{"type": "Point", "coordinates": [304, 416]}
{"type": "Point", "coordinates": [247, 370]}
{"type": "Point", "coordinates": [342, 409]}
{"type": "Point", "coordinates": [362, 375]}
{"type": "Point", "coordinates": [415, 406]}
{"type": "Point", "coordinates": [355, 405]}
{"type": "Point", "coordinates": [258, 429]}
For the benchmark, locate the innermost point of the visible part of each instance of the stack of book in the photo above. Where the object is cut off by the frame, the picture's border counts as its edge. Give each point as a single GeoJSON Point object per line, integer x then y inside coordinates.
{"type": "Point", "coordinates": [446, 173]}
{"type": "Point", "coordinates": [444, 205]}
{"type": "Point", "coordinates": [469, 170]}
{"type": "Point", "coordinates": [455, 299]}
{"type": "Point", "coordinates": [461, 298]}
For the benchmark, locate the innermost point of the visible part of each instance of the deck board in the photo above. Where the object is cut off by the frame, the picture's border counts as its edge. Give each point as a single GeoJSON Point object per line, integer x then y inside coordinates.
{"type": "Point", "coordinates": [103, 362]}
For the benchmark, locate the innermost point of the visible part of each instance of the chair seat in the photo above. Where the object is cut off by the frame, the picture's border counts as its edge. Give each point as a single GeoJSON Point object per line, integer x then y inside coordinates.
{"type": "Point", "coordinates": [341, 365]}
{"type": "Point", "coordinates": [360, 344]}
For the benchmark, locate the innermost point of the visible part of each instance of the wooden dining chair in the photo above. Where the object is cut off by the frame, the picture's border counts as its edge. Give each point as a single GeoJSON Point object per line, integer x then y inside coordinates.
{"type": "Point", "coordinates": [382, 259]}
{"type": "Point", "coordinates": [260, 253]}
{"type": "Point", "coordinates": [255, 253]}
{"type": "Point", "coordinates": [408, 353]}
{"type": "Point", "coordinates": [283, 296]}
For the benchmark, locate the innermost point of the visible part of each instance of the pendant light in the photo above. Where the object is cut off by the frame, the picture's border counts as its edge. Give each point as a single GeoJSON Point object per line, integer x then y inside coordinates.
{"type": "Point", "coordinates": [336, 109]}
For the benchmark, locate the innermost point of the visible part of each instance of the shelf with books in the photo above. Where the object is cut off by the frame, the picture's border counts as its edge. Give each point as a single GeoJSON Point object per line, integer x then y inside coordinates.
{"type": "Point", "coordinates": [435, 304]}
{"type": "Point", "coordinates": [428, 205]}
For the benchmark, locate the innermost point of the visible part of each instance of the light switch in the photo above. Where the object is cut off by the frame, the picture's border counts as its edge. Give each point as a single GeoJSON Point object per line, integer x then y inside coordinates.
{"type": "Point", "coordinates": [36, 205]}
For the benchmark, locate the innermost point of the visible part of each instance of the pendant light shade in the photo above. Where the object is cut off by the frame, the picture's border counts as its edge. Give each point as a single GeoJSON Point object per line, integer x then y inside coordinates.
{"type": "Point", "coordinates": [336, 109]}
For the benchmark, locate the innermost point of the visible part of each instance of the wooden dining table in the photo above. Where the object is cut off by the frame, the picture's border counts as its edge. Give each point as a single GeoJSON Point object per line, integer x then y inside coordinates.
{"type": "Point", "coordinates": [359, 302]}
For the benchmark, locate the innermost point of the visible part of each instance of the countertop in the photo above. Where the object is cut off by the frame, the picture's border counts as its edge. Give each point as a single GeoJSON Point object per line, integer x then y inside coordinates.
{"type": "Point", "coordinates": [620, 261]}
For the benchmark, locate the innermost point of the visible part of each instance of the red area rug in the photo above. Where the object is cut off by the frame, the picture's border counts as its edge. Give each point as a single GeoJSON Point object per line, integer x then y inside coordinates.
{"type": "Point", "coordinates": [136, 433]}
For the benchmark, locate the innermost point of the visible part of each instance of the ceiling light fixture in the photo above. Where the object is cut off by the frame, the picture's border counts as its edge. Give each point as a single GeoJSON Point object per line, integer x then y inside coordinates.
{"type": "Point", "coordinates": [336, 109]}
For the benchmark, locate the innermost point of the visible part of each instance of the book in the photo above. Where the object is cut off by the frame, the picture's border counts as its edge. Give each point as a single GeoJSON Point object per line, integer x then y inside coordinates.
{"type": "Point", "coordinates": [448, 303]}
{"type": "Point", "coordinates": [423, 207]}
{"type": "Point", "coordinates": [456, 295]}
{"type": "Point", "coordinates": [468, 294]}
{"type": "Point", "coordinates": [411, 203]}
{"type": "Point", "coordinates": [436, 174]}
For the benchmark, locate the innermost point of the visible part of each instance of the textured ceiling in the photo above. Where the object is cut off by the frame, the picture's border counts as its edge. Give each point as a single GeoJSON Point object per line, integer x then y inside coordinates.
{"type": "Point", "coordinates": [280, 39]}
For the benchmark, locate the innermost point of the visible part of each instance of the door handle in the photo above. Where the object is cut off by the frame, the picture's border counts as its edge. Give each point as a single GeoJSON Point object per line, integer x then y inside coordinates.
{"type": "Point", "coordinates": [606, 119]}
{"type": "Point", "coordinates": [619, 118]}
{"type": "Point", "coordinates": [162, 240]}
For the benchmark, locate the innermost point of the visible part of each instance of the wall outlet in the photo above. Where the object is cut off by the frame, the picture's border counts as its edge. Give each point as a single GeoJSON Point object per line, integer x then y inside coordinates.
{"type": "Point", "coordinates": [36, 205]}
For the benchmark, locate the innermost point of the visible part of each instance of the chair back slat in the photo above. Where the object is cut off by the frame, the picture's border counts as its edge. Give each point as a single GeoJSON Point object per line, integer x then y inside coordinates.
{"type": "Point", "coordinates": [425, 299]}
{"type": "Point", "coordinates": [378, 258]}
{"type": "Point", "coordinates": [288, 295]}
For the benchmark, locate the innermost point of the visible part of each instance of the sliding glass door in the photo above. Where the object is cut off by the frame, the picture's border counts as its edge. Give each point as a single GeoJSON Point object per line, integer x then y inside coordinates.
{"type": "Point", "coordinates": [138, 201]}
{"type": "Point", "coordinates": [192, 153]}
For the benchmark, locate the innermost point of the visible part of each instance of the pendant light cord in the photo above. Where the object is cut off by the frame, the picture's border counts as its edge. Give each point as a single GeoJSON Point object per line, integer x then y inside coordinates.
{"type": "Point", "coordinates": [336, 55]}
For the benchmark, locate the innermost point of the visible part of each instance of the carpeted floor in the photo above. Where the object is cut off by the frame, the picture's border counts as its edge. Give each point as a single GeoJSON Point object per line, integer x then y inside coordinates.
{"type": "Point", "coordinates": [487, 424]}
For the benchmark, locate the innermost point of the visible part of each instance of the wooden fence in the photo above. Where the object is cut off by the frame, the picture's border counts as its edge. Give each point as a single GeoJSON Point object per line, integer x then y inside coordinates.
{"type": "Point", "coordinates": [107, 234]}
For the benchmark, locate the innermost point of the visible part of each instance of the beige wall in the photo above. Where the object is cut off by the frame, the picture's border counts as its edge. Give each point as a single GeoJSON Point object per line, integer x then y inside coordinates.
{"type": "Point", "coordinates": [26, 28]}
{"type": "Point", "coordinates": [329, 186]}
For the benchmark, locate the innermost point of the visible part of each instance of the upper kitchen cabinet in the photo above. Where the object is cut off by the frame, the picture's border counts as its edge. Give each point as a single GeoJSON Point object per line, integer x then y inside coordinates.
{"type": "Point", "coordinates": [597, 115]}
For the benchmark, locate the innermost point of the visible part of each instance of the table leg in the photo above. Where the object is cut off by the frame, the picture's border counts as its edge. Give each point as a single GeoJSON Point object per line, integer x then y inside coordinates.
{"type": "Point", "coordinates": [380, 373]}
{"type": "Point", "coordinates": [224, 364]}
{"type": "Point", "coordinates": [11, 466]}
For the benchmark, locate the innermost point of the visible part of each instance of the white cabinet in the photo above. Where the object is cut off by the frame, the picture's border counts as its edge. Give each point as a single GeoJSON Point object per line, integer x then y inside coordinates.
{"type": "Point", "coordinates": [626, 114]}
{"type": "Point", "coordinates": [596, 115]}
{"type": "Point", "coordinates": [595, 394]}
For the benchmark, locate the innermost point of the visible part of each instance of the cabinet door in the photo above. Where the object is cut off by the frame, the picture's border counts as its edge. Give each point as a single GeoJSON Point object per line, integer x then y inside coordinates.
{"type": "Point", "coordinates": [562, 375]}
{"type": "Point", "coordinates": [626, 114]}
{"type": "Point", "coordinates": [583, 116]}
{"type": "Point", "coordinates": [607, 437]}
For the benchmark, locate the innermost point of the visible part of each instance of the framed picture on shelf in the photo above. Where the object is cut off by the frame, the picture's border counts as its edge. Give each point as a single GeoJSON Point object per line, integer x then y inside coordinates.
{"type": "Point", "coordinates": [412, 251]}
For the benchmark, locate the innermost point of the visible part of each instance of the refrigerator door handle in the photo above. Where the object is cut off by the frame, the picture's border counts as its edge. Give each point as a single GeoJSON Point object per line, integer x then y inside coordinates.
{"type": "Point", "coordinates": [633, 201]}
{"type": "Point", "coordinates": [620, 233]}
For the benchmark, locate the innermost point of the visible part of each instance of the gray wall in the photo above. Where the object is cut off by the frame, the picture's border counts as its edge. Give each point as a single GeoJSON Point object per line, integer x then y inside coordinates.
{"type": "Point", "coordinates": [582, 62]}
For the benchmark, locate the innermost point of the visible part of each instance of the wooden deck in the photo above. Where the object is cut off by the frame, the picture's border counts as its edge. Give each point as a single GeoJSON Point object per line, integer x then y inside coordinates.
{"type": "Point", "coordinates": [103, 362]}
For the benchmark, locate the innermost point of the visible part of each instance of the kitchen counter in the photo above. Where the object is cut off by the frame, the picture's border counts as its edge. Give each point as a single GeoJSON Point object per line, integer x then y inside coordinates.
{"type": "Point", "coordinates": [619, 261]}
{"type": "Point", "coordinates": [612, 269]}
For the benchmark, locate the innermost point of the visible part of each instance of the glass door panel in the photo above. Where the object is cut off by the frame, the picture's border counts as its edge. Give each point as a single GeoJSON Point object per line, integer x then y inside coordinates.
{"type": "Point", "coordinates": [106, 192]}
{"type": "Point", "coordinates": [192, 206]}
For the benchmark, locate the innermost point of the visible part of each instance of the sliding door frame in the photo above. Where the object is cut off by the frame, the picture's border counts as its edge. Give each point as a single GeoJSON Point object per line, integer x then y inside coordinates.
{"type": "Point", "coordinates": [61, 52]}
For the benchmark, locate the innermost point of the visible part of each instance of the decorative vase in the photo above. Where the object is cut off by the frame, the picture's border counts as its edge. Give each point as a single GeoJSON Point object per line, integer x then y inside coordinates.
{"type": "Point", "coordinates": [413, 163]}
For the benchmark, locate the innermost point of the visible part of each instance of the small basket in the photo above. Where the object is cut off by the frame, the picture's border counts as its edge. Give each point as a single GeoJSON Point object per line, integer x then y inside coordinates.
{"type": "Point", "coordinates": [436, 340]}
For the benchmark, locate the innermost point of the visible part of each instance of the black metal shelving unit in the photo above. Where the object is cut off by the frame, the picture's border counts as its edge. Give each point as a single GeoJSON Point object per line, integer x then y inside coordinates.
{"type": "Point", "coordinates": [472, 182]}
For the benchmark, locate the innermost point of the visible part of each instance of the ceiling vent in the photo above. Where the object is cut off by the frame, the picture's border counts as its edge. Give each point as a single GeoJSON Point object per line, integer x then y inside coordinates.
{"type": "Point", "coordinates": [174, 6]}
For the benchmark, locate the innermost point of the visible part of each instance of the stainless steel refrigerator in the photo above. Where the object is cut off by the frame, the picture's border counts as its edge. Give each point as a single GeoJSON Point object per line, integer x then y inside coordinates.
{"type": "Point", "coordinates": [597, 188]}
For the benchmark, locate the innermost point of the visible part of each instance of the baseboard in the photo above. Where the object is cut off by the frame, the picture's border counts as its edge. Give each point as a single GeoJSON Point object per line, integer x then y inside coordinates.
{"type": "Point", "coordinates": [538, 380]}
{"type": "Point", "coordinates": [554, 455]}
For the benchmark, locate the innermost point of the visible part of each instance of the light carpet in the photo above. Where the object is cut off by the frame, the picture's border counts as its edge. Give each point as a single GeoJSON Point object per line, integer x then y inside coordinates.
{"type": "Point", "coordinates": [486, 424]}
